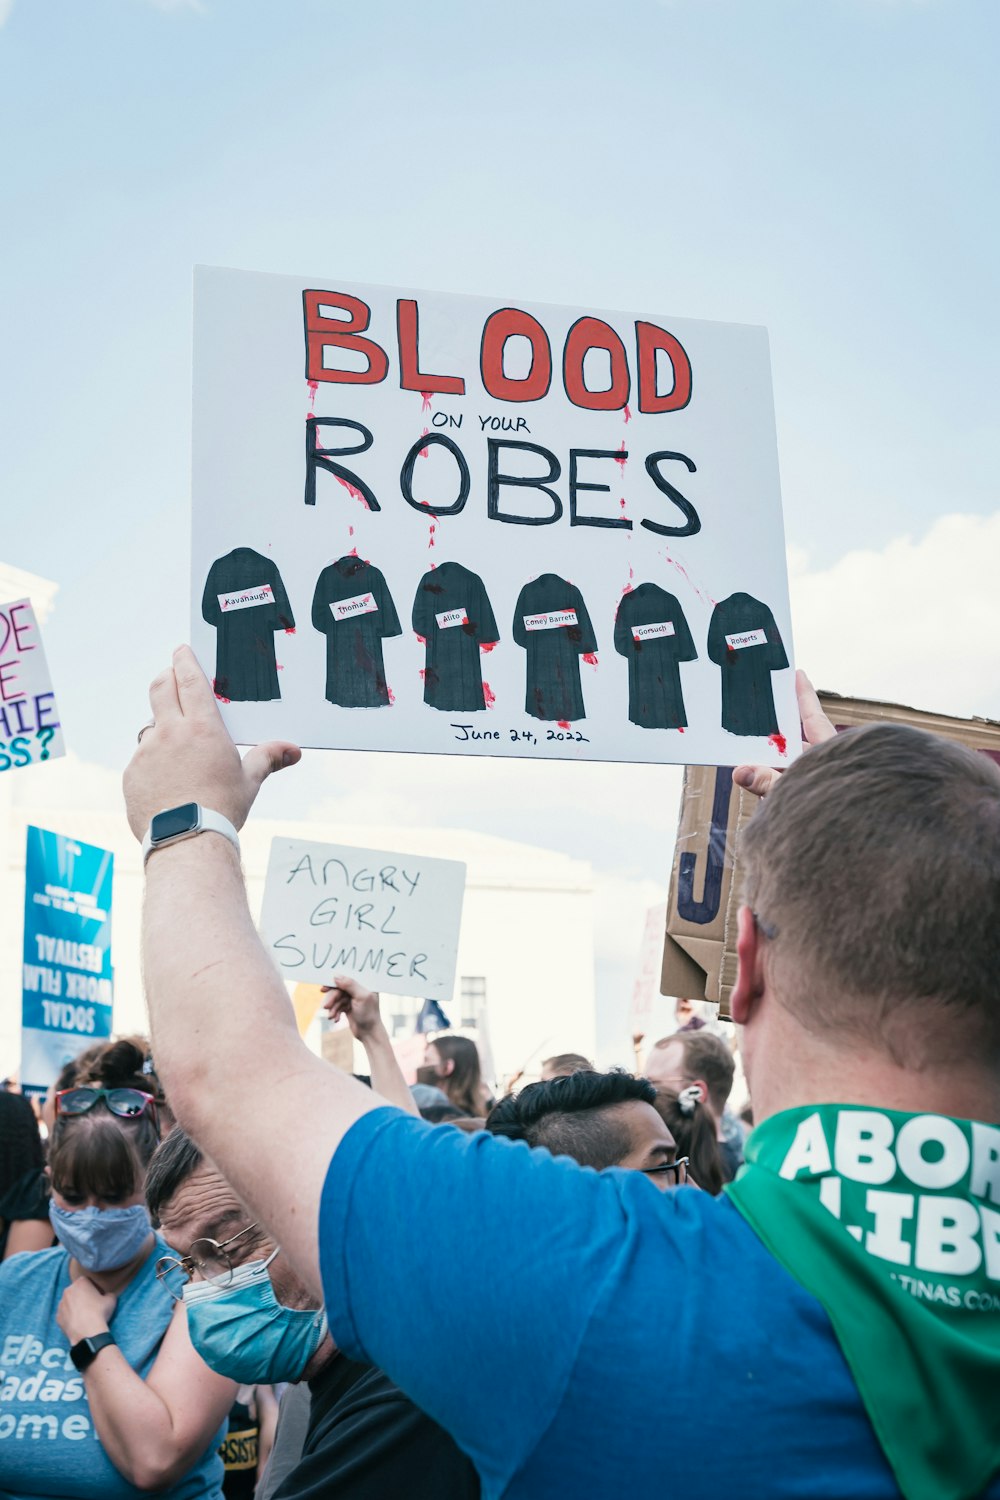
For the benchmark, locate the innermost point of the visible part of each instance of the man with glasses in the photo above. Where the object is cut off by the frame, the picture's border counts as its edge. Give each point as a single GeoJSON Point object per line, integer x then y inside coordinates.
{"type": "Point", "coordinates": [599, 1119]}
{"type": "Point", "coordinates": [344, 1427]}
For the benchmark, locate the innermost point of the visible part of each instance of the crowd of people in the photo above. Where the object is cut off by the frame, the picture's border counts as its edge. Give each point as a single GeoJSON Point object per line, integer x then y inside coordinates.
{"type": "Point", "coordinates": [233, 1269]}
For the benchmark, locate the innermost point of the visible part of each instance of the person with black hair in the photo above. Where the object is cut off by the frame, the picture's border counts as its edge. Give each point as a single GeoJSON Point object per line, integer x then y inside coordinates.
{"type": "Point", "coordinates": [94, 1354]}
{"type": "Point", "coordinates": [24, 1206]}
{"type": "Point", "coordinates": [599, 1119]}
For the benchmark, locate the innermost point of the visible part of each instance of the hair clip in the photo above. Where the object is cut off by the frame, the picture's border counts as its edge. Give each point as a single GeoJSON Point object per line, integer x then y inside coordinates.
{"type": "Point", "coordinates": [688, 1099]}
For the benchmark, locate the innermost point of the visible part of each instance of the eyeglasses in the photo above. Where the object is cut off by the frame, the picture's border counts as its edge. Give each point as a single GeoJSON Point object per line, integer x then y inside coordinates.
{"type": "Point", "coordinates": [208, 1258]}
{"type": "Point", "coordinates": [127, 1104]}
{"type": "Point", "coordinates": [678, 1167]}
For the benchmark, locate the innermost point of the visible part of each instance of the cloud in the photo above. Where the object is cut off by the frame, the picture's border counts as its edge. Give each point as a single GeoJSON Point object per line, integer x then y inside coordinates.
{"type": "Point", "coordinates": [69, 783]}
{"type": "Point", "coordinates": [914, 623]}
{"type": "Point", "coordinates": [6, 6]}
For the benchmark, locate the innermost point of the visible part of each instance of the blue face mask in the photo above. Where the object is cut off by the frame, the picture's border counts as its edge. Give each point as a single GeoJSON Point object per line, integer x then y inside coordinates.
{"type": "Point", "coordinates": [101, 1239]}
{"type": "Point", "coordinates": [243, 1332]}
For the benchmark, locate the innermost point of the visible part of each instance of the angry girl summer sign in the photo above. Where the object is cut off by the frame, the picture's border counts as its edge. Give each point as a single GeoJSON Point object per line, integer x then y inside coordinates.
{"type": "Point", "coordinates": [462, 525]}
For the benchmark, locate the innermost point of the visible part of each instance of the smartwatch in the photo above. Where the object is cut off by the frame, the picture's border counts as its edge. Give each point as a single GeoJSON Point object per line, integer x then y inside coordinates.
{"type": "Point", "coordinates": [86, 1351]}
{"type": "Point", "coordinates": [184, 822]}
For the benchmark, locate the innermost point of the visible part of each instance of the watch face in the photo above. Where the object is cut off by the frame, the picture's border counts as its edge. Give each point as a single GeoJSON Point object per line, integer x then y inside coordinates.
{"type": "Point", "coordinates": [176, 820]}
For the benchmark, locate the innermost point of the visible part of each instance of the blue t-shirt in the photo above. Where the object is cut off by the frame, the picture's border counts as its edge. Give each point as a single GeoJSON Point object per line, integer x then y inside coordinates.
{"type": "Point", "coordinates": [48, 1443]}
{"type": "Point", "coordinates": [581, 1333]}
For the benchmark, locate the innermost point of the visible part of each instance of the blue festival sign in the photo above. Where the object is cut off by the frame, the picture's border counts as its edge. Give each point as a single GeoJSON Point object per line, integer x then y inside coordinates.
{"type": "Point", "coordinates": [67, 984]}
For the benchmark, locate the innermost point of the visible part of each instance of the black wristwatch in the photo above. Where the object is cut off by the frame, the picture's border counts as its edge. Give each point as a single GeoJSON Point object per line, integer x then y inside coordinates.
{"type": "Point", "coordinates": [86, 1351]}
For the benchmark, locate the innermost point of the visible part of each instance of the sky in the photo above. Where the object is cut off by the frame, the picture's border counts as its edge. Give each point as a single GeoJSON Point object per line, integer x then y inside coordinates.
{"type": "Point", "coordinates": [825, 168]}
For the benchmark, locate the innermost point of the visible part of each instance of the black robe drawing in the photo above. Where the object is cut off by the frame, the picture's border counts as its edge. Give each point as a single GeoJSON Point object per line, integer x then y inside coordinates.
{"type": "Point", "coordinates": [744, 640]}
{"type": "Point", "coordinates": [552, 686]}
{"type": "Point", "coordinates": [245, 600]}
{"type": "Point", "coordinates": [353, 608]}
{"type": "Point", "coordinates": [453, 613]}
{"type": "Point", "coordinates": [653, 634]}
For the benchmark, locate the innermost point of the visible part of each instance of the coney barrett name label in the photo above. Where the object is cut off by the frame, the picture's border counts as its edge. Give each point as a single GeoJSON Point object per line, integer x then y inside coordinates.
{"type": "Point", "coordinates": [360, 604]}
{"type": "Point", "coordinates": [551, 621]}
{"type": "Point", "coordinates": [748, 638]}
{"type": "Point", "coordinates": [651, 632]}
{"type": "Point", "coordinates": [452, 617]}
{"type": "Point", "coordinates": [247, 598]}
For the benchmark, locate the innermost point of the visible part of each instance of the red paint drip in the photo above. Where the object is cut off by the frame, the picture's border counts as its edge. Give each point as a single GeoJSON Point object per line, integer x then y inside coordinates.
{"type": "Point", "coordinates": [622, 503]}
{"type": "Point", "coordinates": [628, 414]}
{"type": "Point", "coordinates": [779, 742]}
{"type": "Point", "coordinates": [563, 723]}
{"type": "Point", "coordinates": [489, 696]}
{"type": "Point", "coordinates": [352, 490]}
{"type": "Point", "coordinates": [279, 666]}
{"type": "Point", "coordinates": [313, 388]}
{"type": "Point", "coordinates": [422, 639]}
{"type": "Point", "coordinates": [290, 630]}
{"type": "Point", "coordinates": [679, 729]}
{"type": "Point", "coordinates": [686, 575]}
{"type": "Point", "coordinates": [427, 402]}
{"type": "Point", "coordinates": [622, 460]}
{"type": "Point", "coordinates": [350, 531]}
{"type": "Point", "coordinates": [423, 451]}
{"type": "Point", "coordinates": [222, 698]}
{"type": "Point", "coordinates": [423, 673]}
{"type": "Point", "coordinates": [486, 646]}
{"type": "Point", "coordinates": [430, 540]}
{"type": "Point", "coordinates": [590, 657]}
{"type": "Point", "coordinates": [392, 695]}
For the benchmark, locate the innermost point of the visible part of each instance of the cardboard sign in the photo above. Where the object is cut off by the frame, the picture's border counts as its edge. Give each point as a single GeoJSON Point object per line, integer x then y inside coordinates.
{"type": "Point", "coordinates": [390, 920]}
{"type": "Point", "coordinates": [454, 525]}
{"type": "Point", "coordinates": [30, 731]}
{"type": "Point", "coordinates": [67, 982]}
{"type": "Point", "coordinates": [699, 953]}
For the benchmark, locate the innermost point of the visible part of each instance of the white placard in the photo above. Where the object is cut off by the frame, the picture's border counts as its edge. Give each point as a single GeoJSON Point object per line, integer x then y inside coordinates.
{"type": "Point", "coordinates": [450, 618]}
{"type": "Point", "coordinates": [566, 477]}
{"type": "Point", "coordinates": [390, 920]}
{"type": "Point", "coordinates": [30, 731]}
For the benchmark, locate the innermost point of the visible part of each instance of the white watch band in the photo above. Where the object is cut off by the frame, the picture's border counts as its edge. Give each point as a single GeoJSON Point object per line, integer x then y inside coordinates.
{"type": "Point", "coordinates": [208, 822]}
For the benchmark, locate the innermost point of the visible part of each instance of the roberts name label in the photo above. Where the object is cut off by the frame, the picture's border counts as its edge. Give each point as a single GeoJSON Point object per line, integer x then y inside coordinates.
{"type": "Point", "coordinates": [749, 638]}
{"type": "Point", "coordinates": [361, 604]}
{"type": "Point", "coordinates": [247, 598]}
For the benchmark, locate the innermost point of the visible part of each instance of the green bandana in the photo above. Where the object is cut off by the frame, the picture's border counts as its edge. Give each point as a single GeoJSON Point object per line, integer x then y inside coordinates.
{"type": "Point", "coordinates": [886, 1219]}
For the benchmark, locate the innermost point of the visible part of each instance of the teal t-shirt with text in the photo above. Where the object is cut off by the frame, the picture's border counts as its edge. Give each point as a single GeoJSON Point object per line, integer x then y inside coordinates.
{"type": "Point", "coordinates": [48, 1443]}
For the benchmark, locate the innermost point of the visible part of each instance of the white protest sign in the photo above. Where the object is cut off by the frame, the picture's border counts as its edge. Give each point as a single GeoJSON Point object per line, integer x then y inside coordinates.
{"type": "Point", "coordinates": [30, 731]}
{"type": "Point", "coordinates": [483, 528]}
{"type": "Point", "coordinates": [390, 920]}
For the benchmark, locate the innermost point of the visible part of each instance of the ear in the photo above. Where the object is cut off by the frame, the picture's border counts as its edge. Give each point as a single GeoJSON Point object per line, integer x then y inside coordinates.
{"type": "Point", "coordinates": [749, 986]}
{"type": "Point", "coordinates": [449, 1066]}
{"type": "Point", "coordinates": [702, 1087]}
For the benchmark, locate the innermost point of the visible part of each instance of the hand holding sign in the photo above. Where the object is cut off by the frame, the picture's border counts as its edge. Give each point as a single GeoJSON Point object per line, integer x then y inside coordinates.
{"type": "Point", "coordinates": [188, 756]}
{"type": "Point", "coordinates": [816, 727]}
{"type": "Point", "coordinates": [348, 997]}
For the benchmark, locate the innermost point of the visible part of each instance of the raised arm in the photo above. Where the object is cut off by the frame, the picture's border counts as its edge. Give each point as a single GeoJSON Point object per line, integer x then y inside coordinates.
{"type": "Point", "coordinates": [223, 1030]}
{"type": "Point", "coordinates": [346, 997]}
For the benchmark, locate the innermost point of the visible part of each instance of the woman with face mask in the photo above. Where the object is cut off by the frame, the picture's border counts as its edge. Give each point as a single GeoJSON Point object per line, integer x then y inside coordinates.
{"type": "Point", "coordinates": [101, 1394]}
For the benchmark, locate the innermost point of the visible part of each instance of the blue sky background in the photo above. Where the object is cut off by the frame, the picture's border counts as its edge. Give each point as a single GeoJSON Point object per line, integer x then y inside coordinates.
{"type": "Point", "coordinates": [824, 167]}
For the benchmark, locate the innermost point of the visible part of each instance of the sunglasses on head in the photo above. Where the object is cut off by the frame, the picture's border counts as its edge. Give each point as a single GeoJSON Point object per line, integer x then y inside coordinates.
{"type": "Point", "coordinates": [127, 1104]}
